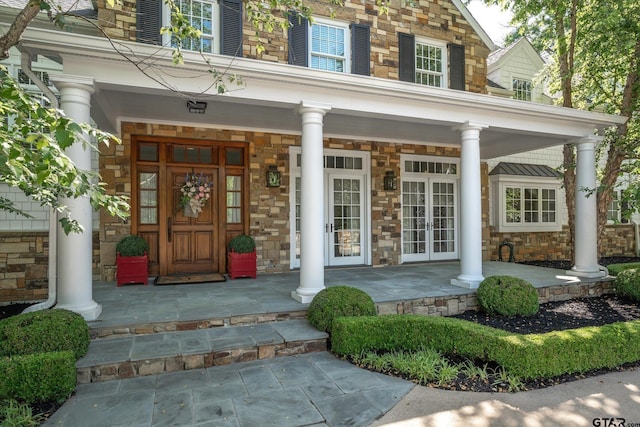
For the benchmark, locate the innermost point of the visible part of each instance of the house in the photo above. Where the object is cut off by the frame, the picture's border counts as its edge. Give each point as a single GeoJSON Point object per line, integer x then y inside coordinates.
{"type": "Point", "coordinates": [378, 126]}
{"type": "Point", "coordinates": [532, 176]}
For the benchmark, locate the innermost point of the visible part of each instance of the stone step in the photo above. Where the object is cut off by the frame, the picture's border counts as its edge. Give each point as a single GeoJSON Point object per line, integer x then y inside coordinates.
{"type": "Point", "coordinates": [100, 329]}
{"type": "Point", "coordinates": [140, 355]}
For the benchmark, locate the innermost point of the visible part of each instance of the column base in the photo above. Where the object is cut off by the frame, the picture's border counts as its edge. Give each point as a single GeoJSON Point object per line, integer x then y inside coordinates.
{"type": "Point", "coordinates": [588, 273]}
{"type": "Point", "coordinates": [469, 282]}
{"type": "Point", "coordinates": [305, 298]}
{"type": "Point", "coordinates": [90, 311]}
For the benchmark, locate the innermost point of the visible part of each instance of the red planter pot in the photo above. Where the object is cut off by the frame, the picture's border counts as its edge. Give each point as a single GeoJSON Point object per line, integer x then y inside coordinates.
{"type": "Point", "coordinates": [241, 265]}
{"type": "Point", "coordinates": [132, 269]}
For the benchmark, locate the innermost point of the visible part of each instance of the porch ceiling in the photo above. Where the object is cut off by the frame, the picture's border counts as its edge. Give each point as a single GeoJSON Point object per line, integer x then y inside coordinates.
{"type": "Point", "coordinates": [360, 107]}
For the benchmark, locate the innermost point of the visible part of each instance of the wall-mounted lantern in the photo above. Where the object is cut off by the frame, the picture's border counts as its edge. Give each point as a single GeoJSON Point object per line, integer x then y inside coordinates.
{"type": "Point", "coordinates": [273, 176]}
{"type": "Point", "coordinates": [390, 181]}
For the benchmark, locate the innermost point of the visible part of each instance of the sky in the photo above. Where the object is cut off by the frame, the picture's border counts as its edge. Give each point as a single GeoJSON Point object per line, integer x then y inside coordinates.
{"type": "Point", "coordinates": [493, 20]}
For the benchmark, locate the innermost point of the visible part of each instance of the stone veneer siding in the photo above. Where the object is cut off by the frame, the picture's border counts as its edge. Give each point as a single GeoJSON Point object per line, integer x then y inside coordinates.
{"type": "Point", "coordinates": [543, 246]}
{"type": "Point", "coordinates": [269, 207]}
{"type": "Point", "coordinates": [439, 20]}
{"type": "Point", "coordinates": [24, 265]}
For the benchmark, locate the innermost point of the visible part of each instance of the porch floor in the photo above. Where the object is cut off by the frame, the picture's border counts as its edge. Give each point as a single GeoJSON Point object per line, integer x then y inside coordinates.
{"type": "Point", "coordinates": [270, 294]}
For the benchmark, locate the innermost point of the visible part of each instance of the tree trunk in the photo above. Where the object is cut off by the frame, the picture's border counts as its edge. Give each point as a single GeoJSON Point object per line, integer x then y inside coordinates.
{"type": "Point", "coordinates": [13, 35]}
{"type": "Point", "coordinates": [569, 178]}
{"type": "Point", "coordinates": [620, 148]}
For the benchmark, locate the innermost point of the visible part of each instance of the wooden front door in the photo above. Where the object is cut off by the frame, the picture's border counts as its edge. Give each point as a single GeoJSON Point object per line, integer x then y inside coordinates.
{"type": "Point", "coordinates": [178, 243]}
{"type": "Point", "coordinates": [191, 241]}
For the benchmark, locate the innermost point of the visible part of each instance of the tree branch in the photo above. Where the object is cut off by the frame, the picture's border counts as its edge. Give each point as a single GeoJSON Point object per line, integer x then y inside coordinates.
{"type": "Point", "coordinates": [14, 34]}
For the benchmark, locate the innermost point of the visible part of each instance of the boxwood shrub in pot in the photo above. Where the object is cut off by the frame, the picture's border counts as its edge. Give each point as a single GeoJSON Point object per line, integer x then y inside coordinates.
{"type": "Point", "coordinates": [132, 246]}
{"type": "Point", "coordinates": [132, 262]}
{"type": "Point", "coordinates": [241, 257]}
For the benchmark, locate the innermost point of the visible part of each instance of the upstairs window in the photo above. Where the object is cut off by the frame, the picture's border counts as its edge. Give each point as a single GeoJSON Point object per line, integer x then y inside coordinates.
{"type": "Point", "coordinates": [430, 64]}
{"type": "Point", "coordinates": [329, 47]}
{"type": "Point", "coordinates": [203, 16]}
{"type": "Point", "coordinates": [220, 23]}
{"type": "Point", "coordinates": [522, 89]}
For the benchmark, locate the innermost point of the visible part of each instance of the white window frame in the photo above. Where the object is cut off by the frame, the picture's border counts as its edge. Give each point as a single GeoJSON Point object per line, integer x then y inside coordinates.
{"type": "Point", "coordinates": [347, 44]}
{"type": "Point", "coordinates": [295, 171]}
{"type": "Point", "coordinates": [499, 185]}
{"type": "Point", "coordinates": [444, 76]}
{"type": "Point", "coordinates": [515, 92]}
{"type": "Point", "coordinates": [215, 26]}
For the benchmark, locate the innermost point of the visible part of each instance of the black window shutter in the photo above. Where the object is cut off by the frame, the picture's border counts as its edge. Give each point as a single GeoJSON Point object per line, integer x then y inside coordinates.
{"type": "Point", "coordinates": [456, 67]}
{"type": "Point", "coordinates": [360, 50]}
{"type": "Point", "coordinates": [149, 21]}
{"type": "Point", "coordinates": [231, 27]}
{"type": "Point", "coordinates": [298, 39]}
{"type": "Point", "coordinates": [407, 64]}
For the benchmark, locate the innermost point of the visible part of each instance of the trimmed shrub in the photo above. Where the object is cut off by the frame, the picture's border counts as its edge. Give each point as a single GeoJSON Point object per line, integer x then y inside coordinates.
{"type": "Point", "coordinates": [627, 284]}
{"type": "Point", "coordinates": [242, 244]}
{"type": "Point", "coordinates": [38, 377]}
{"type": "Point", "coordinates": [525, 356]}
{"type": "Point", "coordinates": [615, 269]}
{"type": "Point", "coordinates": [44, 331]}
{"type": "Point", "coordinates": [132, 246]}
{"type": "Point", "coordinates": [508, 296]}
{"type": "Point", "coordinates": [338, 301]}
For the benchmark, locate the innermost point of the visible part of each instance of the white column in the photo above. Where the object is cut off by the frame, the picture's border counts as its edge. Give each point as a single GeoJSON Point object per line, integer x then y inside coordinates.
{"type": "Point", "coordinates": [470, 208]}
{"type": "Point", "coordinates": [312, 202]}
{"type": "Point", "coordinates": [586, 219]}
{"type": "Point", "coordinates": [75, 250]}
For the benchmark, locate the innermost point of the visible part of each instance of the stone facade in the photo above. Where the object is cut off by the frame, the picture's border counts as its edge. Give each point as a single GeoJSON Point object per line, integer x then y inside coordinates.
{"type": "Point", "coordinates": [269, 208]}
{"type": "Point", "coordinates": [542, 246]}
{"type": "Point", "coordinates": [439, 20]}
{"type": "Point", "coordinates": [24, 266]}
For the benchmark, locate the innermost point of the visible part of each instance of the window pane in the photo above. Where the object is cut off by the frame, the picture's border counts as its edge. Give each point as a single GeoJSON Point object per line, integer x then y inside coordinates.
{"type": "Point", "coordinates": [235, 156]}
{"type": "Point", "coordinates": [148, 152]}
{"type": "Point", "coordinates": [328, 47]}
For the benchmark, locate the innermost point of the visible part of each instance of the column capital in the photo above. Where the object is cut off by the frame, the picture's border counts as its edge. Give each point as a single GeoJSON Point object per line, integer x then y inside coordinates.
{"type": "Point", "coordinates": [469, 125]}
{"type": "Point", "coordinates": [586, 141]}
{"type": "Point", "coordinates": [70, 81]}
{"type": "Point", "coordinates": [313, 107]}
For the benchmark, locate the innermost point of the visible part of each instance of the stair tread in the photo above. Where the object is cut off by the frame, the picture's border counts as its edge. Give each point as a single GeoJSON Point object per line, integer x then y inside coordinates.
{"type": "Point", "coordinates": [193, 342]}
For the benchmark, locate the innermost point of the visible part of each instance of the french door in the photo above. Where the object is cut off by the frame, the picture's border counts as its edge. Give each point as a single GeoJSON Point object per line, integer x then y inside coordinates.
{"type": "Point", "coordinates": [346, 201]}
{"type": "Point", "coordinates": [429, 219]}
{"type": "Point", "coordinates": [344, 220]}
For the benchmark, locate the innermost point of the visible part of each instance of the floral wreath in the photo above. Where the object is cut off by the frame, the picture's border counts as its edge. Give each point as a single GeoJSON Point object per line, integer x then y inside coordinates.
{"type": "Point", "coordinates": [195, 192]}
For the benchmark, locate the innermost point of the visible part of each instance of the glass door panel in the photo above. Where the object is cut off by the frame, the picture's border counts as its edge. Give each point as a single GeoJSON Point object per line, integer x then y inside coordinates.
{"type": "Point", "coordinates": [346, 219]}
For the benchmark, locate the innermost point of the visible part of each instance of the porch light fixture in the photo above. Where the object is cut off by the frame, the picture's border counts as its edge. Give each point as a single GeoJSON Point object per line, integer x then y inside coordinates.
{"type": "Point", "coordinates": [273, 176]}
{"type": "Point", "coordinates": [196, 107]}
{"type": "Point", "coordinates": [390, 181]}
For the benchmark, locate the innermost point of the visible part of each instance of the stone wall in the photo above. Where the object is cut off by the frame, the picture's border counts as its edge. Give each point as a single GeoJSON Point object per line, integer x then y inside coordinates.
{"type": "Point", "coordinates": [24, 266]}
{"type": "Point", "coordinates": [543, 246]}
{"type": "Point", "coordinates": [439, 20]}
{"type": "Point", "coordinates": [269, 208]}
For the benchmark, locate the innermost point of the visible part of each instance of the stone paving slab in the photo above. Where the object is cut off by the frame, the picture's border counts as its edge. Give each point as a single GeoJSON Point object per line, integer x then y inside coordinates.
{"type": "Point", "coordinates": [292, 391]}
{"type": "Point", "coordinates": [129, 356]}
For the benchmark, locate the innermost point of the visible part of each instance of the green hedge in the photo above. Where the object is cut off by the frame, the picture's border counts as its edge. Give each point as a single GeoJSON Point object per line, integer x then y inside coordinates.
{"type": "Point", "coordinates": [615, 269]}
{"type": "Point", "coordinates": [339, 301]}
{"type": "Point", "coordinates": [526, 356]}
{"type": "Point", "coordinates": [44, 331]}
{"type": "Point", "coordinates": [627, 284]}
{"type": "Point", "coordinates": [38, 377]}
{"type": "Point", "coordinates": [508, 296]}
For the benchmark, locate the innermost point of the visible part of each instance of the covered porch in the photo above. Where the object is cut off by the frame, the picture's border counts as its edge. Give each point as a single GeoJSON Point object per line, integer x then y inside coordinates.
{"type": "Point", "coordinates": [411, 288]}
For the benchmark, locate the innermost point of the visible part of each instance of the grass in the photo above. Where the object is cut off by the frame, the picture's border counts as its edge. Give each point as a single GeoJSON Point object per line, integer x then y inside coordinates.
{"type": "Point", "coordinates": [15, 414]}
{"type": "Point", "coordinates": [430, 367]}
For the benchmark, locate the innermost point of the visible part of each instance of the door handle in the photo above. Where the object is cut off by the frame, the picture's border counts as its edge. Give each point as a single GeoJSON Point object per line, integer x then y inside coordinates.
{"type": "Point", "coordinates": [169, 230]}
